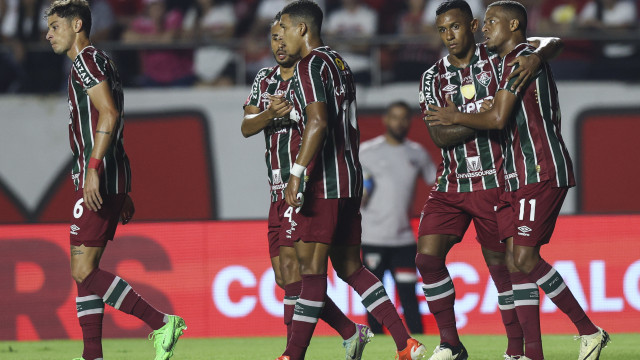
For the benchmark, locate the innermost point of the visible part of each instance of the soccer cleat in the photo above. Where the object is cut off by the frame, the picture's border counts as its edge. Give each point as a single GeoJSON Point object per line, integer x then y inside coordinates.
{"type": "Point", "coordinates": [445, 351]}
{"type": "Point", "coordinates": [165, 338]}
{"type": "Point", "coordinates": [354, 345]}
{"type": "Point", "coordinates": [414, 351]}
{"type": "Point", "coordinates": [591, 345]}
{"type": "Point", "coordinates": [283, 357]}
{"type": "Point", "coordinates": [515, 357]}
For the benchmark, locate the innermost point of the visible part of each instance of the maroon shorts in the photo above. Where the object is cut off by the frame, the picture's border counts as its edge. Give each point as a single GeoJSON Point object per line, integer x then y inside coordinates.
{"type": "Point", "coordinates": [278, 225]}
{"type": "Point", "coordinates": [91, 228]}
{"type": "Point", "coordinates": [450, 214]}
{"type": "Point", "coordinates": [531, 212]}
{"type": "Point", "coordinates": [327, 221]}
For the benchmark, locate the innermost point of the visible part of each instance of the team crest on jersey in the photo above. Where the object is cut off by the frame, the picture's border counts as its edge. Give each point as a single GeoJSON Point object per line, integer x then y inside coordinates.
{"type": "Point", "coordinates": [484, 78]}
{"type": "Point", "coordinates": [473, 163]}
{"type": "Point", "coordinates": [276, 177]}
{"type": "Point", "coordinates": [339, 63]}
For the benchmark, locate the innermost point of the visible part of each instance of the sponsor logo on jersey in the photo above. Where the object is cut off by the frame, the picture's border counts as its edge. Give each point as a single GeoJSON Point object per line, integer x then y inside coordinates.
{"type": "Point", "coordinates": [270, 80]}
{"type": "Point", "coordinates": [480, 63]}
{"type": "Point", "coordinates": [425, 95]}
{"type": "Point", "coordinates": [278, 187]}
{"type": "Point", "coordinates": [339, 64]}
{"type": "Point", "coordinates": [524, 230]}
{"type": "Point", "coordinates": [484, 78]}
{"type": "Point", "coordinates": [75, 176]}
{"type": "Point", "coordinates": [476, 174]}
{"type": "Point", "coordinates": [74, 229]}
{"type": "Point", "coordinates": [473, 163]}
{"type": "Point", "coordinates": [511, 176]}
{"type": "Point", "coordinates": [449, 88]}
{"type": "Point", "coordinates": [447, 75]}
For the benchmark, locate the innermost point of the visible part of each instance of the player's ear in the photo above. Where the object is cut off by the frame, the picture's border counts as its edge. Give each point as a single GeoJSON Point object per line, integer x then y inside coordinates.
{"type": "Point", "coordinates": [302, 29]}
{"type": "Point", "coordinates": [474, 25]}
{"type": "Point", "coordinates": [77, 24]}
{"type": "Point", "coordinates": [514, 25]}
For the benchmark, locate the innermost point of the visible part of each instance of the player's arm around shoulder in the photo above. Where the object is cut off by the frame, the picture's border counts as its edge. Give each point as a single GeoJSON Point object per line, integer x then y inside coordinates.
{"type": "Point", "coordinates": [546, 48]}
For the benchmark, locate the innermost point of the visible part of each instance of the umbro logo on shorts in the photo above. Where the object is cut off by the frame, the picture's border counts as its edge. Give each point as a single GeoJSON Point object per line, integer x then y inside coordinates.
{"type": "Point", "coordinates": [524, 230]}
{"type": "Point", "coordinates": [74, 229]}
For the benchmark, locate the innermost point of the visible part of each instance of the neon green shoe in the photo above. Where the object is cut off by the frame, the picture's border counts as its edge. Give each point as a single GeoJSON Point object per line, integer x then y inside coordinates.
{"type": "Point", "coordinates": [165, 338]}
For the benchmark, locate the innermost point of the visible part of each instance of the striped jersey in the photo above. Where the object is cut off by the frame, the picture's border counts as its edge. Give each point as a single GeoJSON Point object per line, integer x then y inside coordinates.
{"type": "Point", "coordinates": [324, 76]}
{"type": "Point", "coordinates": [477, 164]}
{"type": "Point", "coordinates": [534, 150]}
{"type": "Point", "coordinates": [282, 138]}
{"type": "Point", "coordinates": [91, 67]}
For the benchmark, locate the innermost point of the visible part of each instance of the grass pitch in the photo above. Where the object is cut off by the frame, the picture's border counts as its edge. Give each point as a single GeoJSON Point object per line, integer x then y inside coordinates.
{"type": "Point", "coordinates": [480, 347]}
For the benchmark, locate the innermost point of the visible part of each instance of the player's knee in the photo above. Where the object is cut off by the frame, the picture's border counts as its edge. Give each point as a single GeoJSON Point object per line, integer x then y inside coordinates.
{"type": "Point", "coordinates": [280, 281]}
{"type": "Point", "coordinates": [80, 272]}
{"type": "Point", "coordinates": [524, 261]}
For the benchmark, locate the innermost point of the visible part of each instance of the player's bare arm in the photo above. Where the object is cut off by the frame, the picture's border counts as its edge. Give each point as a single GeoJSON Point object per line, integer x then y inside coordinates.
{"type": "Point", "coordinates": [447, 136]}
{"type": "Point", "coordinates": [255, 121]}
{"type": "Point", "coordinates": [529, 65]}
{"type": "Point", "coordinates": [312, 140]}
{"type": "Point", "coordinates": [102, 99]}
{"type": "Point", "coordinates": [496, 118]}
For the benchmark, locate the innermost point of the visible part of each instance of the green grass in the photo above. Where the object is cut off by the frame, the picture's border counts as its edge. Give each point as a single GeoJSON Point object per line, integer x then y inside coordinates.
{"type": "Point", "coordinates": [623, 346]}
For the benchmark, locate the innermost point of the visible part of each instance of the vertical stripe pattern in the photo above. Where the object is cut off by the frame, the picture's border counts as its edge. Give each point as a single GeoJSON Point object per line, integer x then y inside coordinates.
{"type": "Point", "coordinates": [324, 76]}
{"type": "Point", "coordinates": [534, 150]}
{"type": "Point", "coordinates": [477, 164]}
{"type": "Point", "coordinates": [282, 138]}
{"type": "Point", "coordinates": [90, 68]}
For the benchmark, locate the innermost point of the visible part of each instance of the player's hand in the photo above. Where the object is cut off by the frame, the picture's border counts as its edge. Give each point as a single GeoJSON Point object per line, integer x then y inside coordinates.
{"type": "Point", "coordinates": [528, 66]}
{"type": "Point", "coordinates": [91, 191]}
{"type": "Point", "coordinates": [278, 106]}
{"type": "Point", "coordinates": [435, 115]}
{"type": "Point", "coordinates": [291, 192]}
{"type": "Point", "coordinates": [127, 210]}
{"type": "Point", "coordinates": [487, 104]}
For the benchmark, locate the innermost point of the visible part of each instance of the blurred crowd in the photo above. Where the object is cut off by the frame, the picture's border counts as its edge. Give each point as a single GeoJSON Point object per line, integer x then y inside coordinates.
{"type": "Point", "coordinates": [159, 43]}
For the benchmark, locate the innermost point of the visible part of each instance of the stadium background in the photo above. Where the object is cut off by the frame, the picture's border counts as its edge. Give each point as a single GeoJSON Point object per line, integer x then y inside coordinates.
{"type": "Point", "coordinates": [198, 247]}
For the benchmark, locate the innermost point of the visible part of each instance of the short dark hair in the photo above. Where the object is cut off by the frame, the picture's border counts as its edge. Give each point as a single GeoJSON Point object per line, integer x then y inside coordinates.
{"type": "Point", "coordinates": [462, 5]}
{"type": "Point", "coordinates": [69, 9]}
{"type": "Point", "coordinates": [400, 103]}
{"type": "Point", "coordinates": [307, 11]}
{"type": "Point", "coordinates": [276, 19]}
{"type": "Point", "coordinates": [515, 9]}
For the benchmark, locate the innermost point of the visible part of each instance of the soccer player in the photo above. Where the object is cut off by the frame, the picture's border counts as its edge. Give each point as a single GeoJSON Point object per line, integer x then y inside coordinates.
{"type": "Point", "coordinates": [328, 224]}
{"type": "Point", "coordinates": [469, 183]}
{"type": "Point", "coordinates": [538, 173]}
{"type": "Point", "coordinates": [266, 110]}
{"type": "Point", "coordinates": [102, 180]}
{"type": "Point", "coordinates": [392, 164]}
